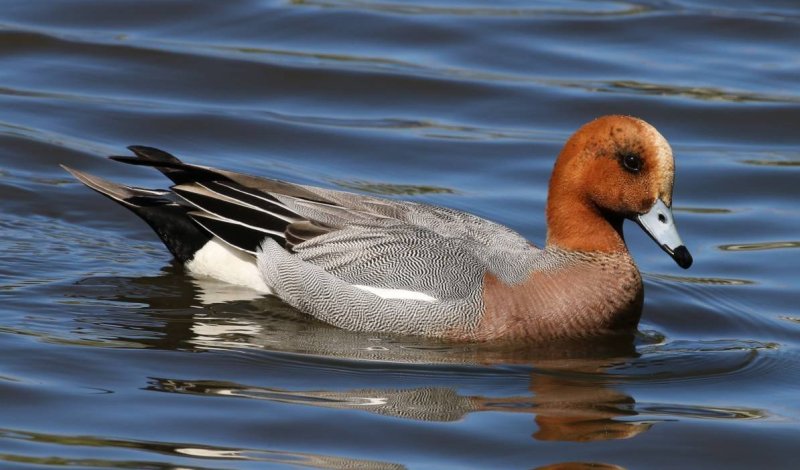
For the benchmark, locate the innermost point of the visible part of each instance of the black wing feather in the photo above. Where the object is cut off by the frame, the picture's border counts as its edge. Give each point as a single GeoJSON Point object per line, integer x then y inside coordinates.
{"type": "Point", "coordinates": [240, 209]}
{"type": "Point", "coordinates": [234, 212]}
{"type": "Point", "coordinates": [239, 236]}
{"type": "Point", "coordinates": [259, 199]}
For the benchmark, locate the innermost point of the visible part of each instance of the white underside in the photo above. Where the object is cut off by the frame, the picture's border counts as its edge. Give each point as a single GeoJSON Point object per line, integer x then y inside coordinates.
{"type": "Point", "coordinates": [219, 261]}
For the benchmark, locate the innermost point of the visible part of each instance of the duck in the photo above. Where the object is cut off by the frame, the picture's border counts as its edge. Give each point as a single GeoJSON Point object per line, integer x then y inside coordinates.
{"type": "Point", "coordinates": [385, 266]}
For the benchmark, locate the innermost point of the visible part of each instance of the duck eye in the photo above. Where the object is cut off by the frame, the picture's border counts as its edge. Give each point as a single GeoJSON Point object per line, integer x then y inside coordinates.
{"type": "Point", "coordinates": [632, 162]}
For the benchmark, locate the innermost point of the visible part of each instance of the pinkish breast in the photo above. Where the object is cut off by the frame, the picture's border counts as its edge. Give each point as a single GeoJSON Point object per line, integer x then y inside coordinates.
{"type": "Point", "coordinates": [585, 294]}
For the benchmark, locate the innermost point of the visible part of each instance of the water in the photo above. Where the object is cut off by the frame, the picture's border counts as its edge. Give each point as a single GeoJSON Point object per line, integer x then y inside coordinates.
{"type": "Point", "coordinates": [114, 358]}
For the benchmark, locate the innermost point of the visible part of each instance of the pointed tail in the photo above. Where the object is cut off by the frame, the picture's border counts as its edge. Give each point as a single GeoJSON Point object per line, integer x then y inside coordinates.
{"type": "Point", "coordinates": [170, 220]}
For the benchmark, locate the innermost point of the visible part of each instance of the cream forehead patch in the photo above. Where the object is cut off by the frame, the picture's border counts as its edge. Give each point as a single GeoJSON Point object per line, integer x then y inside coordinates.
{"type": "Point", "coordinates": [665, 163]}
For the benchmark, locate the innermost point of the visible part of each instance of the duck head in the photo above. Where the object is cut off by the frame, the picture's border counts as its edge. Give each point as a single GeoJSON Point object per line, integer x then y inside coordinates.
{"type": "Point", "coordinates": [613, 168]}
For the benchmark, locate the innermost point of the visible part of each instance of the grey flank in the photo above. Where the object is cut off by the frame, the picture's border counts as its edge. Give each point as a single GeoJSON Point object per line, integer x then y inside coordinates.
{"type": "Point", "coordinates": [402, 245]}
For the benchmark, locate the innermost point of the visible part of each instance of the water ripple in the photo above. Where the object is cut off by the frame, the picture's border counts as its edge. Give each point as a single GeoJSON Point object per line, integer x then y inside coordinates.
{"type": "Point", "coordinates": [699, 412]}
{"type": "Point", "coordinates": [457, 102]}
{"type": "Point", "coordinates": [111, 46]}
{"type": "Point", "coordinates": [512, 9]}
{"type": "Point", "coordinates": [53, 444]}
{"type": "Point", "coordinates": [683, 360]}
{"type": "Point", "coordinates": [698, 93]}
{"type": "Point", "coordinates": [760, 246]}
{"type": "Point", "coordinates": [709, 281]}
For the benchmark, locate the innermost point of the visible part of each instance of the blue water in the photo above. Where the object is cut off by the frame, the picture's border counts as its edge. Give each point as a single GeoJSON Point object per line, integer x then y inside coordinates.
{"type": "Point", "coordinates": [113, 357]}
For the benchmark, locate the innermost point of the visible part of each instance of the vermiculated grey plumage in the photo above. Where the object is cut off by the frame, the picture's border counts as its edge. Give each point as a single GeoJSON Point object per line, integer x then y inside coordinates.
{"type": "Point", "coordinates": [317, 248]}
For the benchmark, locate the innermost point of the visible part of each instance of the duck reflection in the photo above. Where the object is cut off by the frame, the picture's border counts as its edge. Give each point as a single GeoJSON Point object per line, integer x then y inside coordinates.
{"type": "Point", "coordinates": [563, 412]}
{"type": "Point", "coordinates": [180, 450]}
{"type": "Point", "coordinates": [567, 394]}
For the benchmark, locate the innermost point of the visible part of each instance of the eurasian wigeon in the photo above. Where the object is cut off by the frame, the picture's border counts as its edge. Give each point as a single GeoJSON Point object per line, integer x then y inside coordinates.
{"type": "Point", "coordinates": [370, 264]}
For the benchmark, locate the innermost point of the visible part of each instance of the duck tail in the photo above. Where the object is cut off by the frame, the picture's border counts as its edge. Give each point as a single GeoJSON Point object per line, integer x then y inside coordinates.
{"type": "Point", "coordinates": [169, 165]}
{"type": "Point", "coordinates": [170, 220]}
{"type": "Point", "coordinates": [236, 208]}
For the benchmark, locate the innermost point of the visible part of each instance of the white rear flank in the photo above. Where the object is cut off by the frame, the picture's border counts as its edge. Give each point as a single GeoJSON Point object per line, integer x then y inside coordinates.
{"type": "Point", "coordinates": [218, 260]}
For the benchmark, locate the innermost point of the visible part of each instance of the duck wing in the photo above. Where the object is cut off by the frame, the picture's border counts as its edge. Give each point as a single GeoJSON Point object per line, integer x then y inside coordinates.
{"type": "Point", "coordinates": [243, 210]}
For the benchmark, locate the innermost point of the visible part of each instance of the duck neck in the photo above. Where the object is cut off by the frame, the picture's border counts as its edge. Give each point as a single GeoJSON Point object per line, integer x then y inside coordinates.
{"type": "Point", "coordinates": [576, 224]}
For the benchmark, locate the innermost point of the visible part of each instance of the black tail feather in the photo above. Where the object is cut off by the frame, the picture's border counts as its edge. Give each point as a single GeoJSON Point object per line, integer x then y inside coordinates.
{"type": "Point", "coordinates": [182, 236]}
{"type": "Point", "coordinates": [154, 157]}
{"type": "Point", "coordinates": [181, 173]}
{"type": "Point", "coordinates": [241, 210]}
{"type": "Point", "coordinates": [179, 232]}
{"type": "Point", "coordinates": [178, 172]}
{"type": "Point", "coordinates": [153, 154]}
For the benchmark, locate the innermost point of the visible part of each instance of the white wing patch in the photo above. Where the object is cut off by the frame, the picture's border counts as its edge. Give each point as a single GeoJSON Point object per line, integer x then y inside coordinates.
{"type": "Point", "coordinates": [397, 293]}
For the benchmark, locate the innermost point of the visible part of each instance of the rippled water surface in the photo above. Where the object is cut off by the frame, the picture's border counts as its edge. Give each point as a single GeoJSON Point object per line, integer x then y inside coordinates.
{"type": "Point", "coordinates": [113, 357]}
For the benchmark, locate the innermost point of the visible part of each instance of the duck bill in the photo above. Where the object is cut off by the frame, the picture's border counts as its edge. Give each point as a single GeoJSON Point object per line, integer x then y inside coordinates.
{"type": "Point", "coordinates": [660, 225]}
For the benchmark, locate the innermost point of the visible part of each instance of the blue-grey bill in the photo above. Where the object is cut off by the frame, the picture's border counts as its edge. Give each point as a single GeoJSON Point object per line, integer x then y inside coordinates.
{"type": "Point", "coordinates": [660, 225]}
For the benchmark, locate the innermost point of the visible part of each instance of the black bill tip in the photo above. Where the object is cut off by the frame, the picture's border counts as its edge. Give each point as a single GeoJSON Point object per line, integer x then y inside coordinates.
{"type": "Point", "coordinates": [682, 256]}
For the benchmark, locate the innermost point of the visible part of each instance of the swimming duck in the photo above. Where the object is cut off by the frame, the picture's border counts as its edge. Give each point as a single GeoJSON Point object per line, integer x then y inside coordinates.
{"type": "Point", "coordinates": [376, 265]}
